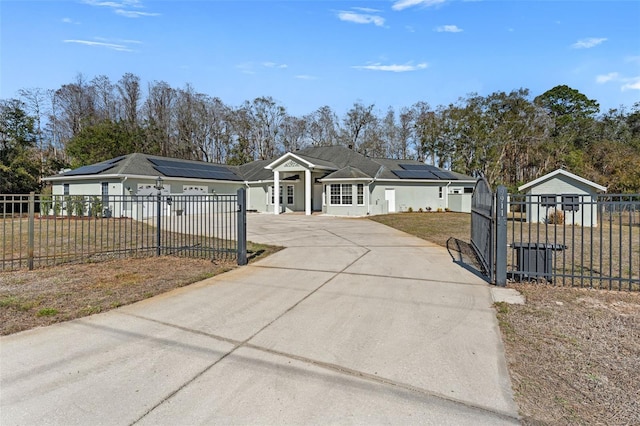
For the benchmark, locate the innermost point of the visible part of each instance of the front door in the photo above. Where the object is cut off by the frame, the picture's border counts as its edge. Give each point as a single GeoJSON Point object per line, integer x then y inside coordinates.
{"type": "Point", "coordinates": [390, 196]}
{"type": "Point", "coordinates": [316, 200]}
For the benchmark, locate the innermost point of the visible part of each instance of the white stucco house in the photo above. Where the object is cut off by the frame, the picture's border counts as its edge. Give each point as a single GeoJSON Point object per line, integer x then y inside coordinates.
{"type": "Point", "coordinates": [563, 191]}
{"type": "Point", "coordinates": [333, 180]}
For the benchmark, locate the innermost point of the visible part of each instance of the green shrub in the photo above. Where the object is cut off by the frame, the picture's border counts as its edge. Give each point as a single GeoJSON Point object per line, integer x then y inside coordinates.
{"type": "Point", "coordinates": [77, 205]}
{"type": "Point", "coordinates": [95, 207]}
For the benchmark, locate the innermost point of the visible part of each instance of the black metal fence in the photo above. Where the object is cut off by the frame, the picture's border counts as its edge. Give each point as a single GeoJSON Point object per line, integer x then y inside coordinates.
{"type": "Point", "coordinates": [575, 240]}
{"type": "Point", "coordinates": [38, 230]}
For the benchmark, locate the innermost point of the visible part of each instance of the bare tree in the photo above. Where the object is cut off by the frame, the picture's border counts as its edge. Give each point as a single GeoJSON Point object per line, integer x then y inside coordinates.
{"type": "Point", "coordinates": [159, 121]}
{"type": "Point", "coordinates": [130, 97]}
{"type": "Point", "coordinates": [358, 118]}
{"type": "Point", "coordinates": [294, 133]}
{"type": "Point", "coordinates": [218, 144]}
{"type": "Point", "coordinates": [74, 108]}
{"type": "Point", "coordinates": [266, 118]}
{"type": "Point", "coordinates": [35, 101]}
{"type": "Point", "coordinates": [405, 134]}
{"type": "Point", "coordinates": [322, 127]}
{"type": "Point", "coordinates": [105, 98]}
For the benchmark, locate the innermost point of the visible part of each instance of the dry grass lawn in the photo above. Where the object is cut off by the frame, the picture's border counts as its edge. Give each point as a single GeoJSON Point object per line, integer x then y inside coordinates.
{"type": "Point", "coordinates": [46, 296]}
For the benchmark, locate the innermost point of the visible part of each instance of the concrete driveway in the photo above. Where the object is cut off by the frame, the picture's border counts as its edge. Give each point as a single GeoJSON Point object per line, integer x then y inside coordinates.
{"type": "Point", "coordinates": [353, 323]}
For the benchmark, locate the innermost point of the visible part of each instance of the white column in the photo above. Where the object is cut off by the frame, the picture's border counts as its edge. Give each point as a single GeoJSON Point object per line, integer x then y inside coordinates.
{"type": "Point", "coordinates": [276, 192]}
{"type": "Point", "coordinates": [307, 192]}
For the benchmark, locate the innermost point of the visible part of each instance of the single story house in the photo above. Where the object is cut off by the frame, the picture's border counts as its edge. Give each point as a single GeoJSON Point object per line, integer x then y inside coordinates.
{"type": "Point", "coordinates": [560, 190]}
{"type": "Point", "coordinates": [334, 180]}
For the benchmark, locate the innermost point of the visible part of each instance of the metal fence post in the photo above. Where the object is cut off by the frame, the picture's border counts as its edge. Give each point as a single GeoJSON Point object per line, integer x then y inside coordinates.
{"type": "Point", "coordinates": [501, 236]}
{"type": "Point", "coordinates": [158, 222]}
{"type": "Point", "coordinates": [32, 213]}
{"type": "Point", "coordinates": [242, 226]}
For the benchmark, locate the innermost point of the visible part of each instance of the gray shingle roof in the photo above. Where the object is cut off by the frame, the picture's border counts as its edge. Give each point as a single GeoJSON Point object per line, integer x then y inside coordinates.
{"type": "Point", "coordinates": [347, 173]}
{"type": "Point", "coordinates": [345, 162]}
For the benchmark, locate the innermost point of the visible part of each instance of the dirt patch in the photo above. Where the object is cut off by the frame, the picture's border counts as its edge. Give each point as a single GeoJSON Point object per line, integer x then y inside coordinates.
{"type": "Point", "coordinates": [574, 355]}
{"type": "Point", "coordinates": [41, 297]}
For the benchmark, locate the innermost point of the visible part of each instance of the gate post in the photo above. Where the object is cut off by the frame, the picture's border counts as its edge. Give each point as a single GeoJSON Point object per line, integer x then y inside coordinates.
{"type": "Point", "coordinates": [158, 222]}
{"type": "Point", "coordinates": [32, 210]}
{"type": "Point", "coordinates": [501, 236]}
{"type": "Point", "coordinates": [242, 226]}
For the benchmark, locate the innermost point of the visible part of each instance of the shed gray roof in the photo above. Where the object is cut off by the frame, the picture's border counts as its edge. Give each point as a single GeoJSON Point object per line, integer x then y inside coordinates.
{"type": "Point", "coordinates": [562, 172]}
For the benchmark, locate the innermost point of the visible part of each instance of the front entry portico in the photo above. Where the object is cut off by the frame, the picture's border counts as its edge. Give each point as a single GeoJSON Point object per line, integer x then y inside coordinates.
{"type": "Point", "coordinates": [294, 168]}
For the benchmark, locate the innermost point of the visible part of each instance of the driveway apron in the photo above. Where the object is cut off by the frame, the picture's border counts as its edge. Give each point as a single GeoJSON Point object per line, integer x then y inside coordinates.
{"type": "Point", "coordinates": [352, 323]}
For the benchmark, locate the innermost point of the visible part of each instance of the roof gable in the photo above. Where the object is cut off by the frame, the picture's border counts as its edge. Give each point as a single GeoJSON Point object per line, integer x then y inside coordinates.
{"type": "Point", "coordinates": [347, 173]}
{"type": "Point", "coordinates": [565, 173]}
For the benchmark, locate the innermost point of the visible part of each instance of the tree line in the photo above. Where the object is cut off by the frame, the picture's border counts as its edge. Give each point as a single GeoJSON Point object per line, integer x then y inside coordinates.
{"type": "Point", "coordinates": [510, 137]}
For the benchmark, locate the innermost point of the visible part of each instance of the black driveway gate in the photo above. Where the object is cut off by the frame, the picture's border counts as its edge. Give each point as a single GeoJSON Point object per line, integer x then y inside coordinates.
{"type": "Point", "coordinates": [482, 225]}
{"type": "Point", "coordinates": [489, 230]}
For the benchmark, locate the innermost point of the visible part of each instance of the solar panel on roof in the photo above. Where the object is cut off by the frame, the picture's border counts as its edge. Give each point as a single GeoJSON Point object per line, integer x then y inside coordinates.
{"type": "Point", "coordinates": [413, 166]}
{"type": "Point", "coordinates": [90, 170]}
{"type": "Point", "coordinates": [426, 171]}
{"type": "Point", "coordinates": [115, 160]}
{"type": "Point", "coordinates": [443, 174]}
{"type": "Point", "coordinates": [185, 165]}
{"type": "Point", "coordinates": [414, 174]}
{"type": "Point", "coordinates": [221, 174]}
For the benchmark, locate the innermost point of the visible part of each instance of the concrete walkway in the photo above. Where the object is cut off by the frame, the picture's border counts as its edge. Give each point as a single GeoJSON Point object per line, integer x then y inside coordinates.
{"type": "Point", "coordinates": [353, 323]}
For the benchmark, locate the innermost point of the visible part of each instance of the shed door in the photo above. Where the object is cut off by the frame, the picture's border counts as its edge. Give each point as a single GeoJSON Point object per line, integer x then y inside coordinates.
{"type": "Point", "coordinates": [390, 196]}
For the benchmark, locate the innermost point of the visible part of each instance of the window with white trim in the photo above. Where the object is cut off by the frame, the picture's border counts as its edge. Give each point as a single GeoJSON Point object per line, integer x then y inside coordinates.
{"type": "Point", "coordinates": [105, 192]}
{"type": "Point", "coordinates": [441, 192]}
{"type": "Point", "coordinates": [290, 194]}
{"type": "Point", "coordinates": [360, 194]}
{"type": "Point", "coordinates": [341, 194]}
{"type": "Point", "coordinates": [273, 194]}
{"type": "Point", "coordinates": [65, 188]}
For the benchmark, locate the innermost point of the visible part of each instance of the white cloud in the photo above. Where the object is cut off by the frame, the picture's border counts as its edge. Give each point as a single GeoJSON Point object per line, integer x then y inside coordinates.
{"type": "Point", "coordinates": [607, 77]}
{"type": "Point", "coordinates": [274, 65]}
{"type": "Point", "coordinates": [393, 67]}
{"type": "Point", "coordinates": [114, 4]}
{"type": "Point", "coordinates": [69, 21]}
{"type": "Point", "coordinates": [449, 29]}
{"type": "Point", "coordinates": [632, 84]}
{"type": "Point", "coordinates": [122, 8]}
{"type": "Point", "coordinates": [134, 14]}
{"type": "Point", "coordinates": [404, 4]}
{"type": "Point", "coordinates": [305, 77]}
{"type": "Point", "coordinates": [361, 18]}
{"type": "Point", "coordinates": [121, 41]}
{"type": "Point", "coordinates": [366, 9]}
{"type": "Point", "coordinates": [628, 83]}
{"type": "Point", "coordinates": [111, 46]}
{"type": "Point", "coordinates": [635, 59]}
{"type": "Point", "coordinates": [587, 43]}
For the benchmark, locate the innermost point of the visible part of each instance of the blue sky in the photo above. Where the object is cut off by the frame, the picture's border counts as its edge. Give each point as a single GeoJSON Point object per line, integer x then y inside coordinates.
{"type": "Point", "coordinates": [308, 53]}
